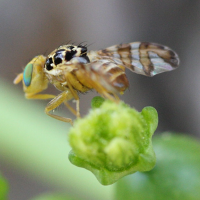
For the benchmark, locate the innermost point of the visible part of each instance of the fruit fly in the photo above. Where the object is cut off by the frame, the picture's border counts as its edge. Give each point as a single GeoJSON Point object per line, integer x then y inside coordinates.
{"type": "Point", "coordinates": [73, 70]}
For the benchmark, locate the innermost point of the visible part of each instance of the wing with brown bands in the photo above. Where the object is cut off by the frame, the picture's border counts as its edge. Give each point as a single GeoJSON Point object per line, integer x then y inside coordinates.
{"type": "Point", "coordinates": [143, 58]}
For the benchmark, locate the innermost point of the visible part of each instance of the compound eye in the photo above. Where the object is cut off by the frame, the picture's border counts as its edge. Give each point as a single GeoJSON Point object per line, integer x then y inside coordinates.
{"type": "Point", "coordinates": [27, 74]}
{"type": "Point", "coordinates": [48, 63]}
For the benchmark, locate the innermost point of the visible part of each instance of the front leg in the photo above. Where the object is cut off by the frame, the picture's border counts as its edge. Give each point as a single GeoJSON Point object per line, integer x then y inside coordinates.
{"type": "Point", "coordinates": [39, 96]}
{"type": "Point", "coordinates": [54, 103]}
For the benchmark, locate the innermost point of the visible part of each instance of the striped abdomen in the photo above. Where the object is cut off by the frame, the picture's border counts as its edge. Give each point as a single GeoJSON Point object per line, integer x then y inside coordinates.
{"type": "Point", "coordinates": [115, 74]}
{"type": "Point", "coordinates": [105, 74]}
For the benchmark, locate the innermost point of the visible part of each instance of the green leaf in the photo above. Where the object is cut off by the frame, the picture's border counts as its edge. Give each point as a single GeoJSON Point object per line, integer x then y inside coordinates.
{"type": "Point", "coordinates": [114, 140]}
{"type": "Point", "coordinates": [3, 188]}
{"type": "Point", "coordinates": [175, 176]}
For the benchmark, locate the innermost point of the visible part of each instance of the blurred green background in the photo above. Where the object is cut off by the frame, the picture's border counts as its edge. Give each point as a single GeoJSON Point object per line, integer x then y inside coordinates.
{"type": "Point", "coordinates": [34, 147]}
{"type": "Point", "coordinates": [37, 148]}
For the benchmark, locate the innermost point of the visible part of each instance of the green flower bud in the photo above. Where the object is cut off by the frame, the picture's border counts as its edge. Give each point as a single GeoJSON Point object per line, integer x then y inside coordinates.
{"type": "Point", "coordinates": [114, 140]}
{"type": "Point", "coordinates": [97, 102]}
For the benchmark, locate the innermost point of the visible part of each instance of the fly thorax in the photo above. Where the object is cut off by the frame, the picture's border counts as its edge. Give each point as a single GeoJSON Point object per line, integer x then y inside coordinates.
{"type": "Point", "coordinates": [66, 55]}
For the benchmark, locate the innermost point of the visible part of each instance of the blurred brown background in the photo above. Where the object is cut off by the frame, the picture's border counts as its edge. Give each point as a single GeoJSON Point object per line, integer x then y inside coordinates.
{"type": "Point", "coordinates": [29, 28]}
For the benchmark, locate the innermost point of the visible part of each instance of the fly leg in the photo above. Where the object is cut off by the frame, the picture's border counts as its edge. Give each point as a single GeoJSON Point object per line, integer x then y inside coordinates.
{"type": "Point", "coordinates": [70, 80]}
{"type": "Point", "coordinates": [39, 96]}
{"type": "Point", "coordinates": [70, 108]}
{"type": "Point", "coordinates": [54, 103]}
{"type": "Point", "coordinates": [78, 108]}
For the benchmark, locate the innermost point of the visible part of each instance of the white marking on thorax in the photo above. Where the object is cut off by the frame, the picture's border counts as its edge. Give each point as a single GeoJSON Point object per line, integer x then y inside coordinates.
{"type": "Point", "coordinates": [54, 72]}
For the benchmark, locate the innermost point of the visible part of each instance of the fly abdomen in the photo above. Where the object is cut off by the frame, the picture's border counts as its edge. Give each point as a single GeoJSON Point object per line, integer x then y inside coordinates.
{"type": "Point", "coordinates": [115, 75]}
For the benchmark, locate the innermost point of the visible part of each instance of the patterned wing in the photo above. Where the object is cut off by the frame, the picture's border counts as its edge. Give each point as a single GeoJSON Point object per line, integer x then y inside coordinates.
{"type": "Point", "coordinates": [143, 58]}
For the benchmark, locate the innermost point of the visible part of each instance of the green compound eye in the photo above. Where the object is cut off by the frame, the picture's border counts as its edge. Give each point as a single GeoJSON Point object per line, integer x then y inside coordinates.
{"type": "Point", "coordinates": [27, 75]}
